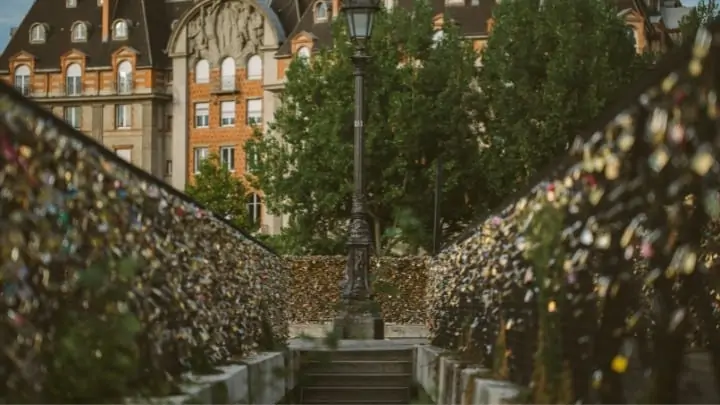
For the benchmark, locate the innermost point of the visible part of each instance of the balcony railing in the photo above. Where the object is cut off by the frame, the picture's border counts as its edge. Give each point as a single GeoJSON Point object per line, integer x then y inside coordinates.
{"type": "Point", "coordinates": [225, 84]}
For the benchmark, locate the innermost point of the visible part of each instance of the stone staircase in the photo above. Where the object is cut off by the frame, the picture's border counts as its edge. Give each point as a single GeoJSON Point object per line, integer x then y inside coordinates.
{"type": "Point", "coordinates": [357, 376]}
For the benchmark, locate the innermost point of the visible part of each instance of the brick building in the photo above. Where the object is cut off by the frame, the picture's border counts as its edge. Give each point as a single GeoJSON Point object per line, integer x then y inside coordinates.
{"type": "Point", "coordinates": [164, 83]}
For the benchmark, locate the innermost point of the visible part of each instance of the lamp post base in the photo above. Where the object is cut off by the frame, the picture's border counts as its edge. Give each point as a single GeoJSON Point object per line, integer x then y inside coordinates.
{"type": "Point", "coordinates": [359, 326]}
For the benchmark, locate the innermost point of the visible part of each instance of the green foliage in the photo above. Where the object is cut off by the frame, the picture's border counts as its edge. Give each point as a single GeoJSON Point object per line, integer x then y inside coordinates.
{"type": "Point", "coordinates": [419, 105]}
{"type": "Point", "coordinates": [223, 193]}
{"type": "Point", "coordinates": [97, 357]}
{"type": "Point", "coordinates": [547, 72]}
{"type": "Point", "coordinates": [705, 11]}
{"type": "Point", "coordinates": [551, 382]}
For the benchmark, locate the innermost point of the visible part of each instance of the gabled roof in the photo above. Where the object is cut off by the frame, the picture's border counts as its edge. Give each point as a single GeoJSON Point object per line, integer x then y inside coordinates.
{"type": "Point", "coordinates": [149, 26]}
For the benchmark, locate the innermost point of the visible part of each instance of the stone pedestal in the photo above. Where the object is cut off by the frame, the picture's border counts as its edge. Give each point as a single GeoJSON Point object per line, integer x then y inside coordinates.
{"type": "Point", "coordinates": [359, 326]}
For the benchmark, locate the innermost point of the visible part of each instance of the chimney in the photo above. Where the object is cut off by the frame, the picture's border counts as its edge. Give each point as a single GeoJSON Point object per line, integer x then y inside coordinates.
{"type": "Point", "coordinates": [13, 30]}
{"type": "Point", "coordinates": [335, 8]}
{"type": "Point", "coordinates": [105, 20]}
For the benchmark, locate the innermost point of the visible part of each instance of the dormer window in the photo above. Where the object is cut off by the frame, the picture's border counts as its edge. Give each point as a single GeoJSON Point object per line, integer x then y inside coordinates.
{"type": "Point", "coordinates": [321, 12]}
{"type": "Point", "coordinates": [120, 29]}
{"type": "Point", "coordinates": [79, 32]}
{"type": "Point", "coordinates": [70, 3]}
{"type": "Point", "coordinates": [303, 53]}
{"type": "Point", "coordinates": [38, 33]}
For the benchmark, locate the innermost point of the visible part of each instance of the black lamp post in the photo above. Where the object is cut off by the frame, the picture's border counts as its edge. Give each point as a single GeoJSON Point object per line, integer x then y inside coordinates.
{"type": "Point", "coordinates": [360, 316]}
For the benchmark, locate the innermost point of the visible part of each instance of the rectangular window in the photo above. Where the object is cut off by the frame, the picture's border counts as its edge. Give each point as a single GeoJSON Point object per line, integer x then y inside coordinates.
{"type": "Point", "coordinates": [123, 116]}
{"type": "Point", "coordinates": [254, 111]}
{"type": "Point", "coordinates": [254, 207]}
{"type": "Point", "coordinates": [73, 85]}
{"type": "Point", "coordinates": [227, 113]}
{"type": "Point", "coordinates": [199, 154]}
{"type": "Point", "coordinates": [73, 116]}
{"type": "Point", "coordinates": [168, 167]}
{"type": "Point", "coordinates": [202, 115]}
{"type": "Point", "coordinates": [22, 84]}
{"type": "Point", "coordinates": [227, 157]}
{"type": "Point", "coordinates": [125, 153]}
{"type": "Point", "coordinates": [251, 158]}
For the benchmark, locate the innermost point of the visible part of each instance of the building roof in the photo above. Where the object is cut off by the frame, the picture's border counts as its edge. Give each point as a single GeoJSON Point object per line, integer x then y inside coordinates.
{"type": "Point", "coordinates": [472, 17]}
{"type": "Point", "coordinates": [321, 31]}
{"type": "Point", "coordinates": [150, 25]}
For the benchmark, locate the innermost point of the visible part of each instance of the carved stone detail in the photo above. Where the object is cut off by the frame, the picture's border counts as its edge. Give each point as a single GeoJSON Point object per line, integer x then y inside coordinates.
{"type": "Point", "coordinates": [225, 28]}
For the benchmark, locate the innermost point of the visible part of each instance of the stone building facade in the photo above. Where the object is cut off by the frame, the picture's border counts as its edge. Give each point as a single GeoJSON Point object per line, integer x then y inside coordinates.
{"type": "Point", "coordinates": [165, 83]}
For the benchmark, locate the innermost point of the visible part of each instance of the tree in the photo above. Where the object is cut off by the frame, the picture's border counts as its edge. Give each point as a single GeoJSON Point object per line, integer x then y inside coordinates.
{"type": "Point", "coordinates": [548, 69]}
{"type": "Point", "coordinates": [221, 192]}
{"type": "Point", "coordinates": [419, 106]}
{"type": "Point", "coordinates": [701, 14]}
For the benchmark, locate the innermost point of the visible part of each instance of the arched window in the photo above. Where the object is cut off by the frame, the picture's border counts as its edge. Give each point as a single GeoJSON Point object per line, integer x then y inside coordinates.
{"type": "Point", "coordinates": [38, 33]}
{"type": "Point", "coordinates": [630, 33]}
{"type": "Point", "coordinates": [254, 68]}
{"type": "Point", "coordinates": [73, 80]}
{"type": "Point", "coordinates": [22, 79]}
{"type": "Point", "coordinates": [79, 32]}
{"type": "Point", "coordinates": [254, 207]}
{"type": "Point", "coordinates": [321, 11]}
{"type": "Point", "coordinates": [303, 52]}
{"type": "Point", "coordinates": [120, 29]}
{"type": "Point", "coordinates": [124, 77]}
{"type": "Point", "coordinates": [202, 71]}
{"type": "Point", "coordinates": [227, 74]}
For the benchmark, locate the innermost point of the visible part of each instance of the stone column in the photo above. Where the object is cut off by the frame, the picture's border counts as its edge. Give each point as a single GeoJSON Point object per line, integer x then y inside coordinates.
{"type": "Point", "coordinates": [151, 153]}
{"type": "Point", "coordinates": [97, 122]}
{"type": "Point", "coordinates": [180, 122]}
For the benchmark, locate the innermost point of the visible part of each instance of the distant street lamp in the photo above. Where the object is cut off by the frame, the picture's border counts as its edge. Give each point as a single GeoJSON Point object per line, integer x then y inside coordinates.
{"type": "Point", "coordinates": [360, 316]}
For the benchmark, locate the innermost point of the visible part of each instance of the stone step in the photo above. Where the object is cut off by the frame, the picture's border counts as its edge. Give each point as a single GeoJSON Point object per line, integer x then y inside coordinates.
{"type": "Point", "coordinates": [388, 395]}
{"type": "Point", "coordinates": [354, 402]}
{"type": "Point", "coordinates": [366, 355]}
{"type": "Point", "coordinates": [358, 367]}
{"type": "Point", "coordinates": [356, 380]}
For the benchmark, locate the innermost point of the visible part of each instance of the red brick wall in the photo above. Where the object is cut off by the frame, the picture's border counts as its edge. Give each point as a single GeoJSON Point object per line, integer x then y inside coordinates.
{"type": "Point", "coordinates": [216, 136]}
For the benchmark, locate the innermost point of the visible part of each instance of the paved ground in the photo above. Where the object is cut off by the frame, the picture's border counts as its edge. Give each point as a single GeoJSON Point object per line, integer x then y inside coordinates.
{"type": "Point", "coordinates": [387, 344]}
{"type": "Point", "coordinates": [392, 331]}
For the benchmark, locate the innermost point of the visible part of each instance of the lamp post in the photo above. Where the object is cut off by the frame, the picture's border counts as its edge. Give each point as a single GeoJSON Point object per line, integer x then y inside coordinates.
{"type": "Point", "coordinates": [360, 316]}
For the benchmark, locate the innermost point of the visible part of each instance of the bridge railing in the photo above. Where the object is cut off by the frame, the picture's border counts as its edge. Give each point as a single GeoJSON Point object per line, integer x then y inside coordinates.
{"type": "Point", "coordinates": [112, 282]}
{"type": "Point", "coordinates": [600, 271]}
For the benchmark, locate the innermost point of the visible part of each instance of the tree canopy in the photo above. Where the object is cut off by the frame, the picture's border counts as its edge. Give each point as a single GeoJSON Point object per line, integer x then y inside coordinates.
{"type": "Point", "coordinates": [701, 14]}
{"type": "Point", "coordinates": [419, 106]}
{"type": "Point", "coordinates": [221, 192]}
{"type": "Point", "coordinates": [549, 68]}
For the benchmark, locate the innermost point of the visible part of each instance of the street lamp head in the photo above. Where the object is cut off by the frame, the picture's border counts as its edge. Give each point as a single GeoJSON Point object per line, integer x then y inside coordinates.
{"type": "Point", "coordinates": [360, 15]}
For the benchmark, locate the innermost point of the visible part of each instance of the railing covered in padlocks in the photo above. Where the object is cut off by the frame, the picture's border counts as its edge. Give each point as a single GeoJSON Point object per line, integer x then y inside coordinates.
{"type": "Point", "coordinates": [593, 284]}
{"type": "Point", "coordinates": [113, 284]}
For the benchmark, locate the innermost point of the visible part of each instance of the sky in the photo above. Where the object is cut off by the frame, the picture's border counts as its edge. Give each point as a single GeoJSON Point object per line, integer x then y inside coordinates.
{"type": "Point", "coordinates": [12, 14]}
{"type": "Point", "coordinates": [14, 10]}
